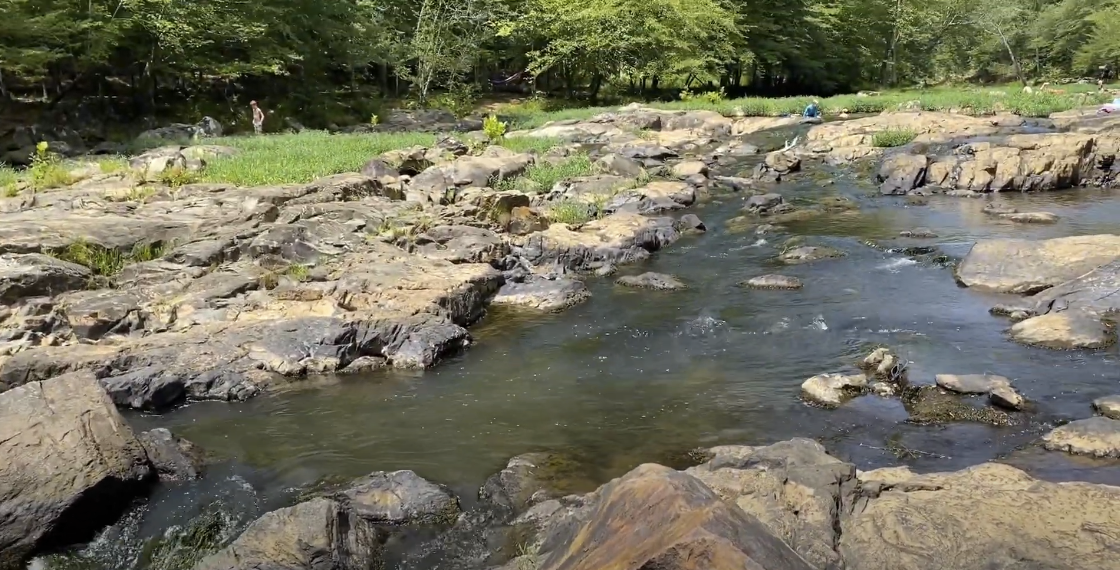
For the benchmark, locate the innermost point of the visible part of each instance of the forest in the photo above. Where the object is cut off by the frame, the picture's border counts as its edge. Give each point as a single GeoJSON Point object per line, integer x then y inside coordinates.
{"type": "Point", "coordinates": [147, 57]}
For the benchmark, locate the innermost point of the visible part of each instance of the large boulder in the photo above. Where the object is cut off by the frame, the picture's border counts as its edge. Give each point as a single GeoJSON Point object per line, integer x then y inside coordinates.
{"type": "Point", "coordinates": [615, 239]}
{"type": "Point", "coordinates": [68, 464]}
{"type": "Point", "coordinates": [399, 498]}
{"type": "Point", "coordinates": [35, 274]}
{"type": "Point", "coordinates": [1029, 266]}
{"type": "Point", "coordinates": [655, 517]}
{"type": "Point", "coordinates": [988, 516]}
{"type": "Point", "coordinates": [318, 534]}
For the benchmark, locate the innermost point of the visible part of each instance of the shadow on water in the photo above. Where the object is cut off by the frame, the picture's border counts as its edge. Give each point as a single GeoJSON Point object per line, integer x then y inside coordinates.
{"type": "Point", "coordinates": [638, 376]}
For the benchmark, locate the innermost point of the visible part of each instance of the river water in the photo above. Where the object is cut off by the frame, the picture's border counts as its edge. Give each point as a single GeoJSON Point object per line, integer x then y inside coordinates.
{"type": "Point", "coordinates": [637, 376]}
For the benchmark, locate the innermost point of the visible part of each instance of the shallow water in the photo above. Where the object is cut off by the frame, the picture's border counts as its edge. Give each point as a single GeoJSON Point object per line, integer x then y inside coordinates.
{"type": "Point", "coordinates": [638, 376]}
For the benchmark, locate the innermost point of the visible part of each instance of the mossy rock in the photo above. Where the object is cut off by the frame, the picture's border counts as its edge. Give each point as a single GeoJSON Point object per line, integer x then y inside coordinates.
{"type": "Point", "coordinates": [932, 405]}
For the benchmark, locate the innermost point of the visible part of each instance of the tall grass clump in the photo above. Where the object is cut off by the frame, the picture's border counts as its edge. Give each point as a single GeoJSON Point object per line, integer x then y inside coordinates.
{"type": "Point", "coordinates": [573, 212]}
{"type": "Point", "coordinates": [891, 138]}
{"type": "Point", "coordinates": [106, 262]}
{"type": "Point", "coordinates": [537, 145]}
{"type": "Point", "coordinates": [302, 157]}
{"type": "Point", "coordinates": [9, 182]}
{"type": "Point", "coordinates": [542, 176]}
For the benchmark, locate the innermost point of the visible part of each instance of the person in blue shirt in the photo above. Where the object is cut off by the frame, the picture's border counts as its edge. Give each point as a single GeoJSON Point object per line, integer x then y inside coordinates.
{"type": "Point", "coordinates": [813, 110]}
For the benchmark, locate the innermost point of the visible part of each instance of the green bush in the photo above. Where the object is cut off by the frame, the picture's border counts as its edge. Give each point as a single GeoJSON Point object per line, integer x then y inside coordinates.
{"type": "Point", "coordinates": [893, 137]}
{"type": "Point", "coordinates": [493, 128]}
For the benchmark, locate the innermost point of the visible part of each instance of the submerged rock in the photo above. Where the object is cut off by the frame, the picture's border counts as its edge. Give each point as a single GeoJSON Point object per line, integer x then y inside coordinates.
{"type": "Point", "coordinates": [173, 457]}
{"type": "Point", "coordinates": [68, 464]}
{"type": "Point", "coordinates": [773, 281]}
{"type": "Point", "coordinates": [1108, 406]}
{"type": "Point", "coordinates": [971, 383]}
{"type": "Point", "coordinates": [932, 405]}
{"type": "Point", "coordinates": [809, 253]}
{"type": "Point", "coordinates": [687, 527]}
{"type": "Point", "coordinates": [317, 534]}
{"type": "Point", "coordinates": [400, 498]}
{"type": "Point", "coordinates": [1097, 436]}
{"type": "Point", "coordinates": [650, 280]}
{"type": "Point", "coordinates": [542, 293]}
{"type": "Point", "coordinates": [832, 389]}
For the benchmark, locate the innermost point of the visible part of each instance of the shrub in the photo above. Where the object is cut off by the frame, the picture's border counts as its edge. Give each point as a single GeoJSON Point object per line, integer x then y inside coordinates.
{"type": "Point", "coordinates": [542, 176]}
{"type": "Point", "coordinates": [573, 212]}
{"type": "Point", "coordinates": [47, 170]}
{"type": "Point", "coordinates": [893, 137]}
{"type": "Point", "coordinates": [493, 128]}
{"type": "Point", "coordinates": [107, 262]}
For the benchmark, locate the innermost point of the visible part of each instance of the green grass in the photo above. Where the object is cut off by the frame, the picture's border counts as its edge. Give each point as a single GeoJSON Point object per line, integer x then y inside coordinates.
{"type": "Point", "coordinates": [573, 212]}
{"type": "Point", "coordinates": [9, 182]}
{"type": "Point", "coordinates": [303, 157]}
{"type": "Point", "coordinates": [112, 164]}
{"type": "Point", "coordinates": [893, 137]}
{"type": "Point", "coordinates": [542, 176]}
{"type": "Point", "coordinates": [537, 145]}
{"type": "Point", "coordinates": [972, 100]}
{"type": "Point", "coordinates": [107, 262]}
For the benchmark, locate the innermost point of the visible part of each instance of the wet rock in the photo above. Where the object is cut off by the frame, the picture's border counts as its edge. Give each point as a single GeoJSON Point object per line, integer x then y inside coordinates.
{"type": "Point", "coordinates": [1026, 266]}
{"type": "Point", "coordinates": [980, 521]}
{"type": "Point", "coordinates": [316, 534]}
{"type": "Point", "coordinates": [1067, 330]}
{"type": "Point", "coordinates": [793, 487]}
{"type": "Point", "coordinates": [691, 223]}
{"type": "Point", "coordinates": [35, 275]}
{"type": "Point", "coordinates": [1014, 312]}
{"type": "Point", "coordinates": [650, 280]}
{"type": "Point", "coordinates": [645, 151]}
{"type": "Point", "coordinates": [884, 364]}
{"type": "Point", "coordinates": [530, 479]}
{"type": "Point", "coordinates": [542, 293]}
{"type": "Point", "coordinates": [1097, 436]}
{"type": "Point", "coordinates": [809, 253]}
{"type": "Point", "coordinates": [971, 383]}
{"type": "Point", "coordinates": [763, 203]}
{"type": "Point", "coordinates": [174, 458]}
{"type": "Point", "coordinates": [1030, 217]}
{"type": "Point", "coordinates": [1007, 398]}
{"type": "Point", "coordinates": [932, 405]}
{"type": "Point", "coordinates": [68, 464]}
{"type": "Point", "coordinates": [621, 166]}
{"type": "Point", "coordinates": [901, 173]}
{"type": "Point", "coordinates": [773, 282]}
{"type": "Point", "coordinates": [1108, 406]}
{"type": "Point", "coordinates": [690, 168]}
{"type": "Point", "coordinates": [918, 233]}
{"type": "Point", "coordinates": [783, 162]}
{"type": "Point", "coordinates": [616, 239]}
{"type": "Point", "coordinates": [832, 389]}
{"type": "Point", "coordinates": [735, 183]}
{"type": "Point", "coordinates": [399, 498]}
{"type": "Point", "coordinates": [689, 528]}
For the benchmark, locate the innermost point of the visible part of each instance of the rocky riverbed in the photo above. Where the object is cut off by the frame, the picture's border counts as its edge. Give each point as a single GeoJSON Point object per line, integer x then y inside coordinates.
{"type": "Point", "coordinates": [209, 292]}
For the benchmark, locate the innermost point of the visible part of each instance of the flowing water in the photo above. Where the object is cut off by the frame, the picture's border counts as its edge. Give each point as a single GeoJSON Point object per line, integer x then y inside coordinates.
{"type": "Point", "coordinates": [636, 376]}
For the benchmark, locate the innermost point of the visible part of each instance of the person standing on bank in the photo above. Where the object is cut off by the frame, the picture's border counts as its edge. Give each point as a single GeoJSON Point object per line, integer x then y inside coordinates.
{"type": "Point", "coordinates": [258, 118]}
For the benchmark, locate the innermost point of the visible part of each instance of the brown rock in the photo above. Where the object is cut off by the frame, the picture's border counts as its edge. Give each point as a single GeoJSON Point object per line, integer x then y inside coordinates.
{"type": "Point", "coordinates": [1025, 266]}
{"type": "Point", "coordinates": [655, 517]}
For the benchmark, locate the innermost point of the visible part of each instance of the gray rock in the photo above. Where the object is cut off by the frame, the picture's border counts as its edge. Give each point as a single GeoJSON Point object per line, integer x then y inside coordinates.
{"type": "Point", "coordinates": [773, 282]}
{"type": "Point", "coordinates": [1108, 406]}
{"type": "Point", "coordinates": [690, 168]}
{"type": "Point", "coordinates": [691, 223]}
{"type": "Point", "coordinates": [543, 294]}
{"type": "Point", "coordinates": [317, 534]}
{"type": "Point", "coordinates": [1067, 330]}
{"type": "Point", "coordinates": [174, 458]}
{"type": "Point", "coordinates": [399, 498]}
{"type": "Point", "coordinates": [34, 275]}
{"type": "Point", "coordinates": [1025, 266]}
{"type": "Point", "coordinates": [1006, 397]}
{"type": "Point", "coordinates": [901, 173]}
{"type": "Point", "coordinates": [832, 389]}
{"type": "Point", "coordinates": [650, 280]}
{"type": "Point", "coordinates": [462, 244]}
{"type": "Point", "coordinates": [809, 253]}
{"type": "Point", "coordinates": [621, 166]}
{"type": "Point", "coordinates": [971, 383]}
{"type": "Point", "coordinates": [1097, 436]}
{"type": "Point", "coordinates": [68, 464]}
{"type": "Point", "coordinates": [763, 203]}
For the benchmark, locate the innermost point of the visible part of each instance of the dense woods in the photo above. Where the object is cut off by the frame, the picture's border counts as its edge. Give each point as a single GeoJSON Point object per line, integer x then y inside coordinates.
{"type": "Point", "coordinates": [144, 56]}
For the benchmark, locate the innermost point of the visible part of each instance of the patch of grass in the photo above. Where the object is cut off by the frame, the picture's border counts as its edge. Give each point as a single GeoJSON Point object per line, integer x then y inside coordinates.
{"type": "Point", "coordinates": [893, 137]}
{"type": "Point", "coordinates": [542, 176]}
{"type": "Point", "coordinates": [303, 157]}
{"type": "Point", "coordinates": [537, 145]}
{"type": "Point", "coordinates": [299, 272]}
{"type": "Point", "coordinates": [574, 212]}
{"type": "Point", "coordinates": [9, 182]}
{"type": "Point", "coordinates": [47, 170]}
{"type": "Point", "coordinates": [112, 164]}
{"type": "Point", "coordinates": [107, 262]}
{"type": "Point", "coordinates": [177, 177]}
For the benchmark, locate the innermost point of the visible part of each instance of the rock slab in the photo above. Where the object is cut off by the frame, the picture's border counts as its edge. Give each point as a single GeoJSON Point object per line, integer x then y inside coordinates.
{"type": "Point", "coordinates": [68, 464]}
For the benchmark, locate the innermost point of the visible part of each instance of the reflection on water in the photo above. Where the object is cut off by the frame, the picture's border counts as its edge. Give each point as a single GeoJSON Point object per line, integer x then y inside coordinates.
{"type": "Point", "coordinates": [636, 376]}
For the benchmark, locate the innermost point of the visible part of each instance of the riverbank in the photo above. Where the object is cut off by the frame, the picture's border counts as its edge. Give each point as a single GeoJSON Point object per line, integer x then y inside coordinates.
{"type": "Point", "coordinates": [260, 287]}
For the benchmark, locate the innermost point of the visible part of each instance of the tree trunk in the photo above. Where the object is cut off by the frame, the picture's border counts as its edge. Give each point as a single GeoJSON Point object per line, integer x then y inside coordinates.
{"type": "Point", "coordinates": [596, 83]}
{"type": "Point", "coordinates": [1011, 53]}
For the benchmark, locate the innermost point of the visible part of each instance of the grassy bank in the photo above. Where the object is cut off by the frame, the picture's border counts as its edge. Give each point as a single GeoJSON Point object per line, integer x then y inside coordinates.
{"type": "Point", "coordinates": [532, 113]}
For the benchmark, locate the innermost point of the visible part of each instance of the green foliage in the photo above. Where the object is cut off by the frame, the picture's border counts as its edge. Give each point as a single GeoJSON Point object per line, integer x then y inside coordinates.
{"type": "Point", "coordinates": [107, 262]}
{"type": "Point", "coordinates": [542, 176]}
{"type": "Point", "coordinates": [298, 272]}
{"type": "Point", "coordinates": [573, 212]}
{"type": "Point", "coordinates": [303, 157]}
{"type": "Point", "coordinates": [47, 170]}
{"type": "Point", "coordinates": [536, 145]}
{"type": "Point", "coordinates": [893, 137]}
{"type": "Point", "coordinates": [9, 182]}
{"type": "Point", "coordinates": [181, 547]}
{"type": "Point", "coordinates": [177, 177]}
{"type": "Point", "coordinates": [493, 128]}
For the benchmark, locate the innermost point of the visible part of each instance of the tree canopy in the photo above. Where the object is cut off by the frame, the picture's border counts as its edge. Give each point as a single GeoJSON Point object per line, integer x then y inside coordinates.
{"type": "Point", "coordinates": [151, 51]}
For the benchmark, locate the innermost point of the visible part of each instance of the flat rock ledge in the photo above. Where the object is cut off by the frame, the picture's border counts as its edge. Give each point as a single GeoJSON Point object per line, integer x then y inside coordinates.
{"type": "Point", "coordinates": [1097, 436]}
{"type": "Point", "coordinates": [773, 281]}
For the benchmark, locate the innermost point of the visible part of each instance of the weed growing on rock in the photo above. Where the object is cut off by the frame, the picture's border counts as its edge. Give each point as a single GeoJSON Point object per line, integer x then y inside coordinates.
{"type": "Point", "coordinates": [542, 176]}
{"type": "Point", "coordinates": [536, 145]}
{"type": "Point", "coordinates": [573, 212]}
{"type": "Point", "coordinates": [893, 137]}
{"type": "Point", "coordinates": [493, 128]}
{"type": "Point", "coordinates": [177, 177]}
{"type": "Point", "coordinates": [299, 272]}
{"type": "Point", "coordinates": [112, 165]}
{"type": "Point", "coordinates": [9, 182]}
{"type": "Point", "coordinates": [47, 170]}
{"type": "Point", "coordinates": [303, 157]}
{"type": "Point", "coordinates": [107, 262]}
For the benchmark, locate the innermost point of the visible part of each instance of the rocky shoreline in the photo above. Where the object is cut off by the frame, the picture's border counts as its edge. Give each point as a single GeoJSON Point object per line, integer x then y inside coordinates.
{"type": "Point", "coordinates": [222, 293]}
